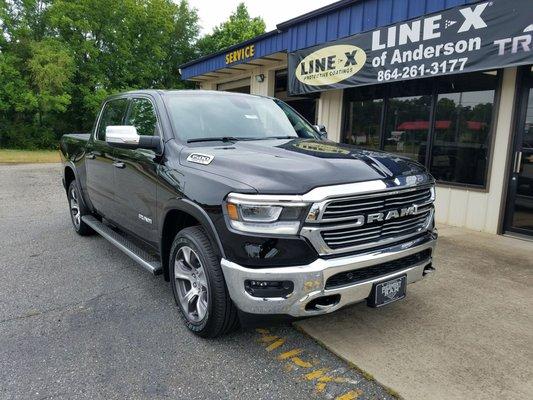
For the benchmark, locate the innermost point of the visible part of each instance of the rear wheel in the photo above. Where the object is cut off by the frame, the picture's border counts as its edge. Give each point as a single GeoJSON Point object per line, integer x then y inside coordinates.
{"type": "Point", "coordinates": [77, 210]}
{"type": "Point", "coordinates": [198, 285]}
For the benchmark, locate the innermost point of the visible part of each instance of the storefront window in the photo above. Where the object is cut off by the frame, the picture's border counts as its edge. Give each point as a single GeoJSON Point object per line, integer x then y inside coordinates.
{"type": "Point", "coordinates": [459, 130]}
{"type": "Point", "coordinates": [363, 122]}
{"type": "Point", "coordinates": [462, 133]}
{"type": "Point", "coordinates": [362, 116]}
{"type": "Point", "coordinates": [407, 126]}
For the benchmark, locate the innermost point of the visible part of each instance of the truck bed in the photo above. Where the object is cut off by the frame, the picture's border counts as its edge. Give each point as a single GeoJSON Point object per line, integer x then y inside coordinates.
{"type": "Point", "coordinates": [73, 144]}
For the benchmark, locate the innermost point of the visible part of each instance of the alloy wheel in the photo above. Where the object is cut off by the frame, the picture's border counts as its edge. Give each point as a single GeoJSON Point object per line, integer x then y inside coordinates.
{"type": "Point", "coordinates": [191, 284]}
{"type": "Point", "coordinates": [75, 208]}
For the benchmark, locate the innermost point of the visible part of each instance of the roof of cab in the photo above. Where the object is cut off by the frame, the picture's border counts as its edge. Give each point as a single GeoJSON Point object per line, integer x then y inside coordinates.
{"type": "Point", "coordinates": [187, 92]}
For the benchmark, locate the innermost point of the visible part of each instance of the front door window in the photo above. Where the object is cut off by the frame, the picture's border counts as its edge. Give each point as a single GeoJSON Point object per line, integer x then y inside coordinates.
{"type": "Point", "coordinates": [142, 116]}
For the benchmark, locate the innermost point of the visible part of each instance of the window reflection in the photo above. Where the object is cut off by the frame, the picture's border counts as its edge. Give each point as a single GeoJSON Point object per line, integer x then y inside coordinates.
{"type": "Point", "coordinates": [113, 114]}
{"type": "Point", "coordinates": [461, 140]}
{"type": "Point", "coordinates": [142, 116]}
{"type": "Point", "coordinates": [461, 129]}
{"type": "Point", "coordinates": [362, 123]}
{"type": "Point", "coordinates": [407, 126]}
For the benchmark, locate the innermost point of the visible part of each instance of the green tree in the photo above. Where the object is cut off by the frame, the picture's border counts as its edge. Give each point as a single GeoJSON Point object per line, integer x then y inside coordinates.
{"type": "Point", "coordinates": [59, 59]}
{"type": "Point", "coordinates": [51, 69]}
{"type": "Point", "coordinates": [238, 28]}
{"type": "Point", "coordinates": [20, 26]}
{"type": "Point", "coordinates": [122, 45]}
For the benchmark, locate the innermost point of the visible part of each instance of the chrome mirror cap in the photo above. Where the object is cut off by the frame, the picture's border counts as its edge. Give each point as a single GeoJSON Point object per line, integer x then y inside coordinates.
{"type": "Point", "coordinates": [122, 135]}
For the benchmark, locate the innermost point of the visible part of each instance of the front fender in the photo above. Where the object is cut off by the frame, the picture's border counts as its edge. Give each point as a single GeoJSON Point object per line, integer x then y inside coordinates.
{"type": "Point", "coordinates": [193, 209]}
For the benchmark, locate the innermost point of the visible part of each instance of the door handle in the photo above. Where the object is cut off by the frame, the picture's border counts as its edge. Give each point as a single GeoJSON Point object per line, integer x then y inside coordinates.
{"type": "Point", "coordinates": [119, 164]}
{"type": "Point", "coordinates": [518, 162]}
{"type": "Point", "coordinates": [90, 156]}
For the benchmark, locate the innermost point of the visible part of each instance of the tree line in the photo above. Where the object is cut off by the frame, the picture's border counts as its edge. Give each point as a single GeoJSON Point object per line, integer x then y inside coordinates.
{"type": "Point", "coordinates": [59, 59]}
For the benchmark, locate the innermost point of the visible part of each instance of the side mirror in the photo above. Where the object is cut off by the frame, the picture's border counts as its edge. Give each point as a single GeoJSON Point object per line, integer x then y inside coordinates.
{"type": "Point", "coordinates": [126, 136]}
{"type": "Point", "coordinates": [321, 129]}
{"type": "Point", "coordinates": [122, 136]}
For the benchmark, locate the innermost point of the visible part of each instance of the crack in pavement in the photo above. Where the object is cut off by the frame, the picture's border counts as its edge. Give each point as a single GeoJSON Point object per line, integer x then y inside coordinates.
{"type": "Point", "coordinates": [67, 307]}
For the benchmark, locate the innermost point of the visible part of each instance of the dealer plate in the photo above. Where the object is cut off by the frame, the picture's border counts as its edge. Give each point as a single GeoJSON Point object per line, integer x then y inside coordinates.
{"type": "Point", "coordinates": [386, 292]}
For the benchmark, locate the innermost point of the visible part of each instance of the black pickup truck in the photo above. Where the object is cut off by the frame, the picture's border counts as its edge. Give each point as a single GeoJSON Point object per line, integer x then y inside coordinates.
{"type": "Point", "coordinates": [246, 208]}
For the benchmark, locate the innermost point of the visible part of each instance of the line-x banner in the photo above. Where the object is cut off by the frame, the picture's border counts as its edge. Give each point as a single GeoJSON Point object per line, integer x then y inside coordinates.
{"type": "Point", "coordinates": [480, 36]}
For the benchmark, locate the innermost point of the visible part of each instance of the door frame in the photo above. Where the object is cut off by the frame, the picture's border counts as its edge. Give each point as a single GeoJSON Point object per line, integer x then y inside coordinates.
{"type": "Point", "coordinates": [524, 86]}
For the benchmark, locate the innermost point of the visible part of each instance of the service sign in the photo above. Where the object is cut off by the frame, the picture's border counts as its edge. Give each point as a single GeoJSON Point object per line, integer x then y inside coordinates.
{"type": "Point", "coordinates": [479, 36]}
{"type": "Point", "coordinates": [244, 53]}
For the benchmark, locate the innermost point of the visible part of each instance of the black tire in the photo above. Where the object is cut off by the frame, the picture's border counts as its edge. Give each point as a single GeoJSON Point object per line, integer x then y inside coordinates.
{"type": "Point", "coordinates": [77, 209]}
{"type": "Point", "coordinates": [221, 315]}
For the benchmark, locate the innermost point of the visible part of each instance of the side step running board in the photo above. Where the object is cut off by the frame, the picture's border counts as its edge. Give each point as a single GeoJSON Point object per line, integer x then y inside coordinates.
{"type": "Point", "coordinates": [146, 260]}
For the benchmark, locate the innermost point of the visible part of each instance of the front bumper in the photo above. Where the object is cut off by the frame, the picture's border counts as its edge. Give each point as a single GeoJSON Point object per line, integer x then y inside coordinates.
{"type": "Point", "coordinates": [310, 280]}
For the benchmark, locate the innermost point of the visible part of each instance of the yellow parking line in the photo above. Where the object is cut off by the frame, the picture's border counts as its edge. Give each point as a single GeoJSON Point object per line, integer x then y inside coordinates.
{"type": "Point", "coordinates": [269, 338]}
{"type": "Point", "coordinates": [289, 354]}
{"type": "Point", "coordinates": [275, 345]}
{"type": "Point", "coordinates": [351, 395]}
{"type": "Point", "coordinates": [311, 376]}
{"type": "Point", "coordinates": [324, 380]}
{"type": "Point", "coordinates": [301, 363]}
{"type": "Point", "coordinates": [327, 379]}
{"type": "Point", "coordinates": [320, 387]}
{"type": "Point", "coordinates": [320, 376]}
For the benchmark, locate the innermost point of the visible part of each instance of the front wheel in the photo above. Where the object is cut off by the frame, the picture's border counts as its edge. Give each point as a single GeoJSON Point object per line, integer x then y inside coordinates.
{"type": "Point", "coordinates": [77, 210]}
{"type": "Point", "coordinates": [198, 285]}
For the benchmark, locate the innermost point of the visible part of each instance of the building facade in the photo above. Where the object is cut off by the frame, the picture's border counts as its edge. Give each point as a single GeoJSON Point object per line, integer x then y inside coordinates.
{"type": "Point", "coordinates": [448, 83]}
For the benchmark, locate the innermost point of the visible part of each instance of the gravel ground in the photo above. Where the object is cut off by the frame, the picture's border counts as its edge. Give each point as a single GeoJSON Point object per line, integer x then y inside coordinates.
{"type": "Point", "coordinates": [78, 319]}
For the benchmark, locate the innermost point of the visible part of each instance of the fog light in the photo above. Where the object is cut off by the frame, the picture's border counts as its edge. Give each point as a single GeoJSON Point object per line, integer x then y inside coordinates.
{"type": "Point", "coordinates": [268, 289]}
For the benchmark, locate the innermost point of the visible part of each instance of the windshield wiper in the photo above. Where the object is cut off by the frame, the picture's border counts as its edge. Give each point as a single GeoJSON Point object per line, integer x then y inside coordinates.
{"type": "Point", "coordinates": [280, 137]}
{"type": "Point", "coordinates": [235, 139]}
{"type": "Point", "coordinates": [216, 139]}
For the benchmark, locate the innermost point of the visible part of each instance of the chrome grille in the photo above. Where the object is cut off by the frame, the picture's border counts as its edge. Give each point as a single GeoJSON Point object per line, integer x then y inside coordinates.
{"type": "Point", "coordinates": [370, 220]}
{"type": "Point", "coordinates": [339, 237]}
{"type": "Point", "coordinates": [340, 210]}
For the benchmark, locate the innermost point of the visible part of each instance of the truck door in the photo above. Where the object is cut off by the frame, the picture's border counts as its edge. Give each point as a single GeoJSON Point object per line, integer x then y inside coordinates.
{"type": "Point", "coordinates": [100, 158]}
{"type": "Point", "coordinates": [136, 175]}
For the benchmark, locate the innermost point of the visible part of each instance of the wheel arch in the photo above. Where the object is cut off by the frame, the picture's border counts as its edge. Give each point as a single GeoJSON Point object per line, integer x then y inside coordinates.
{"type": "Point", "coordinates": [68, 175]}
{"type": "Point", "coordinates": [180, 214]}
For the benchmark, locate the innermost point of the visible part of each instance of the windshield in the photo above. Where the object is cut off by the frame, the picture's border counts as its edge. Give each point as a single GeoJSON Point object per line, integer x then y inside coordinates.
{"type": "Point", "coordinates": [236, 116]}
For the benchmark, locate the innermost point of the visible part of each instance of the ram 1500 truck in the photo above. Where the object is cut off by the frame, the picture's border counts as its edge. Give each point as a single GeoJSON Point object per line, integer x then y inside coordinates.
{"type": "Point", "coordinates": [246, 208]}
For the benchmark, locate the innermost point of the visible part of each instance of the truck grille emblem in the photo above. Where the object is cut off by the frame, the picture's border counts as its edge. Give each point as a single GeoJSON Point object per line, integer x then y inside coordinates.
{"type": "Point", "coordinates": [386, 215]}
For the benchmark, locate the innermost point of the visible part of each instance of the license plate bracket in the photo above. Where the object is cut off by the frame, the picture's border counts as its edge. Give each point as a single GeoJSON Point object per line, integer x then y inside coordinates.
{"type": "Point", "coordinates": [388, 291]}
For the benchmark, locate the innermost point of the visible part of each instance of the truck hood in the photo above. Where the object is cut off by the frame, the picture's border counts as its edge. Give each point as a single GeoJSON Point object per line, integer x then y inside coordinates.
{"type": "Point", "coordinates": [298, 165]}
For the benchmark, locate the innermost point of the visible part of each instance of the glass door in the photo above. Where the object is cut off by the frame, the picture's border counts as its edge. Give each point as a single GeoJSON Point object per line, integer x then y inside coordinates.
{"type": "Point", "coordinates": [520, 199]}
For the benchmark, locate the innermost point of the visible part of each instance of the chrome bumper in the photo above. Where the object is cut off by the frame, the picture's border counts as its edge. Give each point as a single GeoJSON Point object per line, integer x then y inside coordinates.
{"type": "Point", "coordinates": [309, 280]}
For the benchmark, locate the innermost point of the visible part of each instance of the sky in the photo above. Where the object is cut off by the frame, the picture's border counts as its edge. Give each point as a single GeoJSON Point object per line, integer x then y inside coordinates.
{"type": "Point", "coordinates": [214, 12]}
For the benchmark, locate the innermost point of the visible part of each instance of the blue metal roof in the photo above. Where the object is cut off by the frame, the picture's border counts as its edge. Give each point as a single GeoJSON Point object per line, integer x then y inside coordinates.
{"type": "Point", "coordinates": [335, 21]}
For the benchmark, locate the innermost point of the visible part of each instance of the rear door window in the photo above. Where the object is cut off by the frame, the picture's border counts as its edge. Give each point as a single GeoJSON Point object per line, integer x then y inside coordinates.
{"type": "Point", "coordinates": [113, 114]}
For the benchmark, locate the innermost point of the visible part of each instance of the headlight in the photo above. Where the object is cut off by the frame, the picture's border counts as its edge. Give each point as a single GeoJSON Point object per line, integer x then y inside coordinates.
{"type": "Point", "coordinates": [252, 213]}
{"type": "Point", "coordinates": [264, 214]}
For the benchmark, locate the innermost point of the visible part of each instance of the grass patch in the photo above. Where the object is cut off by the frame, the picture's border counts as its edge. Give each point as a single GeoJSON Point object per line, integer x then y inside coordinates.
{"type": "Point", "coordinates": [29, 156]}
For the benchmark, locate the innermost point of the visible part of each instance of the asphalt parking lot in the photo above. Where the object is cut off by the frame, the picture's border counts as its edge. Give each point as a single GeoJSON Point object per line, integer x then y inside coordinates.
{"type": "Point", "coordinates": [79, 320]}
